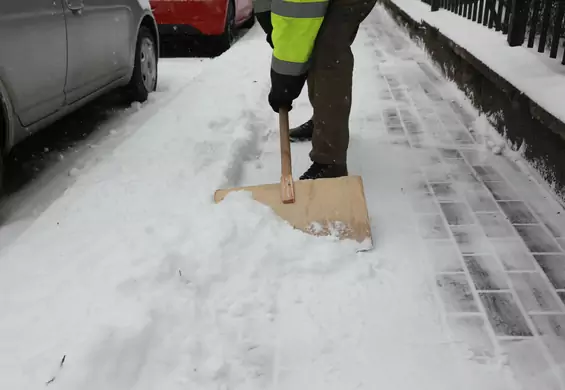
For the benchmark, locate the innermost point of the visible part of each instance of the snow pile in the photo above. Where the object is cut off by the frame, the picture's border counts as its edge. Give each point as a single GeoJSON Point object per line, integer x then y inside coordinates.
{"type": "Point", "coordinates": [493, 141]}
{"type": "Point", "coordinates": [135, 279]}
{"type": "Point", "coordinates": [239, 300]}
{"type": "Point", "coordinates": [201, 313]}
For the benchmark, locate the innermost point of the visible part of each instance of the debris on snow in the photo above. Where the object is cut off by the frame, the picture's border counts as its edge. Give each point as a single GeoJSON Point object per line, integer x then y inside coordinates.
{"type": "Point", "coordinates": [50, 381]}
{"type": "Point", "coordinates": [136, 106]}
{"type": "Point", "coordinates": [497, 150]}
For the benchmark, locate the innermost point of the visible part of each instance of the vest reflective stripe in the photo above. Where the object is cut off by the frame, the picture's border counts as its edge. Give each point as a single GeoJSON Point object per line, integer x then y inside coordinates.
{"type": "Point", "coordinates": [294, 9]}
{"type": "Point", "coordinates": [261, 5]}
{"type": "Point", "coordinates": [289, 68]}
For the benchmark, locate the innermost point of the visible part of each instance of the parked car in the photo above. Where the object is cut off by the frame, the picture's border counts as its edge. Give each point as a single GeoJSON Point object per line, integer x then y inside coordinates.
{"type": "Point", "coordinates": [217, 20]}
{"type": "Point", "coordinates": [57, 55]}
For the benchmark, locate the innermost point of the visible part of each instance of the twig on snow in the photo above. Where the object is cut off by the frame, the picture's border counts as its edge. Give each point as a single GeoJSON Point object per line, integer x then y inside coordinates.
{"type": "Point", "coordinates": [55, 376]}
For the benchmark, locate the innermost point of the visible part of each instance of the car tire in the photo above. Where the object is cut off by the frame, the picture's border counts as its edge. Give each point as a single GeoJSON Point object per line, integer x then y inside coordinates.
{"type": "Point", "coordinates": [225, 41]}
{"type": "Point", "coordinates": [3, 132]}
{"type": "Point", "coordinates": [144, 78]}
{"type": "Point", "coordinates": [2, 173]}
{"type": "Point", "coordinates": [249, 23]}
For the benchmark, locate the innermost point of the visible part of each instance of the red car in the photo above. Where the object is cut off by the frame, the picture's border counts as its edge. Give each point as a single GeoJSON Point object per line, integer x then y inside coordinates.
{"type": "Point", "coordinates": [218, 19]}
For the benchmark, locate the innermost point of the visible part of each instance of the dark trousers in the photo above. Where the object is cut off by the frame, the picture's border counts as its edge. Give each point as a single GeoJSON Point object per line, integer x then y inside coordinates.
{"type": "Point", "coordinates": [330, 76]}
{"type": "Point", "coordinates": [330, 79]}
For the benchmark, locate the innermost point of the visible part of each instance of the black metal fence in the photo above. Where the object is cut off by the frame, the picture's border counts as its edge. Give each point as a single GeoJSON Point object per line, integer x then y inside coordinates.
{"type": "Point", "coordinates": [540, 21]}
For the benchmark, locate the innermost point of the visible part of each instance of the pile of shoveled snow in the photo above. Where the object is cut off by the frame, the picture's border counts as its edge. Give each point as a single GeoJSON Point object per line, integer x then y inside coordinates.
{"type": "Point", "coordinates": [140, 282]}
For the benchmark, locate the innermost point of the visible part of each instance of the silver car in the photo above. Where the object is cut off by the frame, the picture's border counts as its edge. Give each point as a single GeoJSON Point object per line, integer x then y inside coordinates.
{"type": "Point", "coordinates": [57, 55]}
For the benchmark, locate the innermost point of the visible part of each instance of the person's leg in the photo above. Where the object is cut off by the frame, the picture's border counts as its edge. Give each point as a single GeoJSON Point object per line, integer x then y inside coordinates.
{"type": "Point", "coordinates": [332, 74]}
{"type": "Point", "coordinates": [305, 130]}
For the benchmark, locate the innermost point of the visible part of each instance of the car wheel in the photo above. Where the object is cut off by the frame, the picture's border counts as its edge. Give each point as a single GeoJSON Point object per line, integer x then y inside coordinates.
{"type": "Point", "coordinates": [2, 173]}
{"type": "Point", "coordinates": [225, 41]}
{"type": "Point", "coordinates": [3, 132]}
{"type": "Point", "coordinates": [144, 77]}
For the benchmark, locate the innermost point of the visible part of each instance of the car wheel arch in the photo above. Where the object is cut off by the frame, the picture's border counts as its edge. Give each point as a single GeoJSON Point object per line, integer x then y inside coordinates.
{"type": "Point", "coordinates": [226, 13]}
{"type": "Point", "coordinates": [3, 127]}
{"type": "Point", "coordinates": [7, 118]}
{"type": "Point", "coordinates": [149, 22]}
{"type": "Point", "coordinates": [6, 134]}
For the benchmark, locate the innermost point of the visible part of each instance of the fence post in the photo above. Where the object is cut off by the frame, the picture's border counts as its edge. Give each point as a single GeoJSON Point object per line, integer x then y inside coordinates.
{"type": "Point", "coordinates": [435, 5]}
{"type": "Point", "coordinates": [518, 22]}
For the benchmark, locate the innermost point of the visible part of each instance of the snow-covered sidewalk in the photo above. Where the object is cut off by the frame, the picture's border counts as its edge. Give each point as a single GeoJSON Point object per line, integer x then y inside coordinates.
{"type": "Point", "coordinates": [135, 279]}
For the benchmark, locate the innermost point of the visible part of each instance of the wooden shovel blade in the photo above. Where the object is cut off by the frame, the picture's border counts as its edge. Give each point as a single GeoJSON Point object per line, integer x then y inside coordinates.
{"type": "Point", "coordinates": [321, 207]}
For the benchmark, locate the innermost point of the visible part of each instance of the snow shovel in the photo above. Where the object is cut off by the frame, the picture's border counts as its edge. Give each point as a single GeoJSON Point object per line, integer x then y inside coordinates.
{"type": "Point", "coordinates": [320, 207]}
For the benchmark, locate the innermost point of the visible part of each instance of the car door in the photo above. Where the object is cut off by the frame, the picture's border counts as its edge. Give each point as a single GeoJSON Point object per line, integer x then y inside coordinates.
{"type": "Point", "coordinates": [33, 56]}
{"type": "Point", "coordinates": [99, 36]}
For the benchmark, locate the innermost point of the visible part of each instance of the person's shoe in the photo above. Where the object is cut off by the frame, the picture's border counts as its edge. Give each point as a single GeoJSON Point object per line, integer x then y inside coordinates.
{"type": "Point", "coordinates": [323, 171]}
{"type": "Point", "coordinates": [303, 132]}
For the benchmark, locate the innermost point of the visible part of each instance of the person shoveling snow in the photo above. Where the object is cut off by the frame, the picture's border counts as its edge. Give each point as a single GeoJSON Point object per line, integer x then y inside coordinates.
{"type": "Point", "coordinates": [312, 40]}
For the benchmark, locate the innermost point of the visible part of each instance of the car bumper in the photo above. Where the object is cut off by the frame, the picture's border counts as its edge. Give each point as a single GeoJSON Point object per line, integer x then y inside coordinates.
{"type": "Point", "coordinates": [168, 30]}
{"type": "Point", "coordinates": [190, 17]}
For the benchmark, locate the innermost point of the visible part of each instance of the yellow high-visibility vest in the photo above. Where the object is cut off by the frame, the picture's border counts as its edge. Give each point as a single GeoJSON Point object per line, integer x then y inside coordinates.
{"type": "Point", "coordinates": [295, 27]}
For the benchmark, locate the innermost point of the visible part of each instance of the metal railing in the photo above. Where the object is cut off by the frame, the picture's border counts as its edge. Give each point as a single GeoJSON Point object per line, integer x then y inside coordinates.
{"type": "Point", "coordinates": [540, 20]}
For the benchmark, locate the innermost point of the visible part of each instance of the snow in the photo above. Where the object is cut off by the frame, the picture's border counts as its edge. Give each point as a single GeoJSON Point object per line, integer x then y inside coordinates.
{"type": "Point", "coordinates": [134, 279]}
{"type": "Point", "coordinates": [538, 76]}
{"type": "Point", "coordinates": [19, 211]}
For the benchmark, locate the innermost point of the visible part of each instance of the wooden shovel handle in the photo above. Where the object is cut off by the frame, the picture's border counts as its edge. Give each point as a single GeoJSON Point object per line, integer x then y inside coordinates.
{"type": "Point", "coordinates": [287, 184]}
